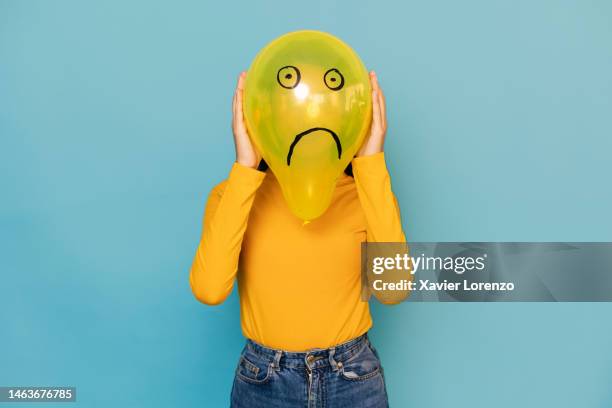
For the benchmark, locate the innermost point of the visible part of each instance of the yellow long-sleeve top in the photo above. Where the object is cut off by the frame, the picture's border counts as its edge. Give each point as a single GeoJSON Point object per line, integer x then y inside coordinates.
{"type": "Point", "coordinates": [299, 285]}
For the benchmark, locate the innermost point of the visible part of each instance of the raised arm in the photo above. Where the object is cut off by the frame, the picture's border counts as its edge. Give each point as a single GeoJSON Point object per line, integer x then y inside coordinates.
{"type": "Point", "coordinates": [377, 200]}
{"type": "Point", "coordinates": [226, 216]}
{"type": "Point", "coordinates": [372, 178]}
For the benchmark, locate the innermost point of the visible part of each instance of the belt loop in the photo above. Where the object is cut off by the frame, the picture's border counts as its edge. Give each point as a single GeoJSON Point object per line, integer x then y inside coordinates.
{"type": "Point", "coordinates": [277, 357]}
{"type": "Point", "coordinates": [333, 362]}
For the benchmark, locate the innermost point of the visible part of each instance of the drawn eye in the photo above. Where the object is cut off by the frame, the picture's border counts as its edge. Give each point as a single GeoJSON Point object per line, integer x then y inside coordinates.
{"type": "Point", "coordinates": [288, 77]}
{"type": "Point", "coordinates": [333, 79]}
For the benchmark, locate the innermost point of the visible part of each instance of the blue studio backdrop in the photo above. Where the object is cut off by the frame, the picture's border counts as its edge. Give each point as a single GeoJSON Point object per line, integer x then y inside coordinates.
{"type": "Point", "coordinates": [115, 124]}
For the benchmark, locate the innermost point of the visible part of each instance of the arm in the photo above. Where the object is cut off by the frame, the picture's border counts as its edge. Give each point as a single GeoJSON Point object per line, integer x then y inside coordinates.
{"type": "Point", "coordinates": [225, 220]}
{"type": "Point", "coordinates": [377, 200]}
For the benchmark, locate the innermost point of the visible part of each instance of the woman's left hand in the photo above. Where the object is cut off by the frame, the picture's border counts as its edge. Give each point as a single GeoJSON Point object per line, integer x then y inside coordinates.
{"type": "Point", "coordinates": [375, 139]}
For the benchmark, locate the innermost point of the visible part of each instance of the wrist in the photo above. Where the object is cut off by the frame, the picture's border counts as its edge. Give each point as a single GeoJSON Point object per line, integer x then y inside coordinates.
{"type": "Point", "coordinates": [373, 144]}
{"type": "Point", "coordinates": [371, 152]}
{"type": "Point", "coordinates": [252, 164]}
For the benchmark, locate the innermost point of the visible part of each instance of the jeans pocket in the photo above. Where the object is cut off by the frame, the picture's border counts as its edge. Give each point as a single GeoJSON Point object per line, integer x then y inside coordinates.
{"type": "Point", "coordinates": [253, 370]}
{"type": "Point", "coordinates": [362, 366]}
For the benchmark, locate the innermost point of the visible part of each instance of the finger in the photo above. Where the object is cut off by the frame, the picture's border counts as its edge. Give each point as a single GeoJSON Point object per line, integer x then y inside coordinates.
{"type": "Point", "coordinates": [239, 113]}
{"type": "Point", "coordinates": [375, 109]}
{"type": "Point", "coordinates": [234, 109]}
{"type": "Point", "coordinates": [241, 78]}
{"type": "Point", "coordinates": [381, 99]}
{"type": "Point", "coordinates": [239, 94]}
{"type": "Point", "coordinates": [383, 107]}
{"type": "Point", "coordinates": [374, 81]}
{"type": "Point", "coordinates": [239, 85]}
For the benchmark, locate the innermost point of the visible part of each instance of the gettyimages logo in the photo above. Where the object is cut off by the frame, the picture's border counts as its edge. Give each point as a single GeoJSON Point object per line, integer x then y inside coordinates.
{"type": "Point", "coordinates": [458, 265]}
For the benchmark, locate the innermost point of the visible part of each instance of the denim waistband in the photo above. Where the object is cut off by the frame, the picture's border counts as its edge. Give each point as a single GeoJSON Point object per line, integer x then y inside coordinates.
{"type": "Point", "coordinates": [313, 358]}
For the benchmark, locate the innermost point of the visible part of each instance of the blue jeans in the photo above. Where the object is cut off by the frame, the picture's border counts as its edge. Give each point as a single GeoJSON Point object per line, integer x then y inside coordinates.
{"type": "Point", "coordinates": [346, 376]}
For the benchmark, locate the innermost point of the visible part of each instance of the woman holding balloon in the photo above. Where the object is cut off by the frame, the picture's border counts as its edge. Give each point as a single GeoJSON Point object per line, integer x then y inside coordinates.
{"type": "Point", "coordinates": [291, 235]}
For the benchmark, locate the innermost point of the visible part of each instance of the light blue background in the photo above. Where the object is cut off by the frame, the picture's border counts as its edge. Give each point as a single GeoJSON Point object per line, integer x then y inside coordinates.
{"type": "Point", "coordinates": [114, 125]}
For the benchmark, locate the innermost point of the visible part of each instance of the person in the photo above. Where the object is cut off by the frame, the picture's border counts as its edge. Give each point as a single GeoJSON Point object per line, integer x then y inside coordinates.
{"type": "Point", "coordinates": [299, 284]}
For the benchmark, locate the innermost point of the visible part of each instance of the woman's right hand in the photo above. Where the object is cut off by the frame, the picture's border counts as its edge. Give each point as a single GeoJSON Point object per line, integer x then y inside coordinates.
{"type": "Point", "coordinates": [246, 154]}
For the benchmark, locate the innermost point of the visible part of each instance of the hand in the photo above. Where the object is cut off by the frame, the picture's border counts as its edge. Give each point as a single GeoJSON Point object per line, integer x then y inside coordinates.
{"type": "Point", "coordinates": [246, 154]}
{"type": "Point", "coordinates": [375, 140]}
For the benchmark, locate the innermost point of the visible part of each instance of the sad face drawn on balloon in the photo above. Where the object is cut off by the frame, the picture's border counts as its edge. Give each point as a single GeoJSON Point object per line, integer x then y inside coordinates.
{"type": "Point", "coordinates": [289, 77]}
{"type": "Point", "coordinates": [307, 108]}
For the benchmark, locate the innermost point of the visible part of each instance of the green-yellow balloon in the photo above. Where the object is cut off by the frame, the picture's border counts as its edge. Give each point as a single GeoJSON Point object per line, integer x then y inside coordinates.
{"type": "Point", "coordinates": [307, 107]}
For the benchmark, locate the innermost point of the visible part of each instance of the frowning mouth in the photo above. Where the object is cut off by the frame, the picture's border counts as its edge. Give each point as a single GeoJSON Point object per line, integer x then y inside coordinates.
{"type": "Point", "coordinates": [299, 136]}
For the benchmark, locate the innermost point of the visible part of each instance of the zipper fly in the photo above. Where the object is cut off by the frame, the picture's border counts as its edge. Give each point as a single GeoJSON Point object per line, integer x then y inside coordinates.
{"type": "Point", "coordinates": [309, 383]}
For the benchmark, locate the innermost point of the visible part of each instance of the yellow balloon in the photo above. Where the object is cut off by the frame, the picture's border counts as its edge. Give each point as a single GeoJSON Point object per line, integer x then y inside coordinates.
{"type": "Point", "coordinates": [307, 107]}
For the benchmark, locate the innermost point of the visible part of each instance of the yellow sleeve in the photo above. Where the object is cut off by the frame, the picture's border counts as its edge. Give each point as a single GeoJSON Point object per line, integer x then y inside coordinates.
{"type": "Point", "coordinates": [382, 215]}
{"type": "Point", "coordinates": [380, 206]}
{"type": "Point", "coordinates": [225, 220]}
